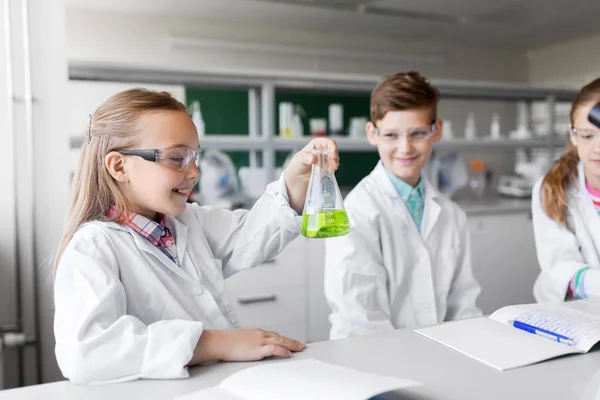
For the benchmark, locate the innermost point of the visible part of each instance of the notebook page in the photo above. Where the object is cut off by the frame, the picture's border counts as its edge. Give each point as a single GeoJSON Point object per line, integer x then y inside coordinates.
{"type": "Point", "coordinates": [576, 320]}
{"type": "Point", "coordinates": [496, 344]}
{"type": "Point", "coordinates": [309, 379]}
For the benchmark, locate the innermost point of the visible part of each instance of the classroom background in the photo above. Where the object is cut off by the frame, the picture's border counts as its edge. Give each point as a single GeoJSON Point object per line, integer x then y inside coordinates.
{"type": "Point", "coordinates": [260, 78]}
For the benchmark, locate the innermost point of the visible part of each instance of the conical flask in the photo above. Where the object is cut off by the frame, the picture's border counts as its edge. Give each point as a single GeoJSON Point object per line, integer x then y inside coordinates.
{"type": "Point", "coordinates": [324, 214]}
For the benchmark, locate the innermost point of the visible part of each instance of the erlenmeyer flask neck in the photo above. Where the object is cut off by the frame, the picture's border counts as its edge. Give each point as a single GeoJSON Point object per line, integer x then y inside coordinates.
{"type": "Point", "coordinates": [323, 160]}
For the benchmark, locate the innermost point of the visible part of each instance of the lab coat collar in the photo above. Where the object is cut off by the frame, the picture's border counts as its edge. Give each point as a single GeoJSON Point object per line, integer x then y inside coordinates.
{"type": "Point", "coordinates": [382, 180]}
{"type": "Point", "coordinates": [575, 190]}
{"type": "Point", "coordinates": [432, 208]}
{"type": "Point", "coordinates": [380, 175]}
{"type": "Point", "coordinates": [180, 231]}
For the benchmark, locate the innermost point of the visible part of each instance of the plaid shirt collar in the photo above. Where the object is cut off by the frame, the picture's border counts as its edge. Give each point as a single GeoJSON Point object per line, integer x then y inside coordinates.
{"type": "Point", "coordinates": [149, 229]}
{"type": "Point", "coordinates": [156, 233]}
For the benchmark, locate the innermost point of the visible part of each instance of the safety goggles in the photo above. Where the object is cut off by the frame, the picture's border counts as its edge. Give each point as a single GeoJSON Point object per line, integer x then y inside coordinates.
{"type": "Point", "coordinates": [585, 135]}
{"type": "Point", "coordinates": [419, 134]}
{"type": "Point", "coordinates": [176, 158]}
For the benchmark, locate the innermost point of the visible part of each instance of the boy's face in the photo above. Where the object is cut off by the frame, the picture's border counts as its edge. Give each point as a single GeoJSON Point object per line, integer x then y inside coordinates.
{"type": "Point", "coordinates": [404, 140]}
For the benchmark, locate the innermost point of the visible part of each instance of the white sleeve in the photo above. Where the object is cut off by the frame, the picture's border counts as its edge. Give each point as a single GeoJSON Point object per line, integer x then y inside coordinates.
{"type": "Point", "coordinates": [96, 341]}
{"type": "Point", "coordinates": [243, 238]}
{"type": "Point", "coordinates": [557, 252]}
{"type": "Point", "coordinates": [462, 298]}
{"type": "Point", "coordinates": [356, 280]}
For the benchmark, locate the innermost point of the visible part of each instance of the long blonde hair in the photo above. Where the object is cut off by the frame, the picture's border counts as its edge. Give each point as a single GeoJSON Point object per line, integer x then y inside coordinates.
{"type": "Point", "coordinates": [112, 127]}
{"type": "Point", "coordinates": [564, 172]}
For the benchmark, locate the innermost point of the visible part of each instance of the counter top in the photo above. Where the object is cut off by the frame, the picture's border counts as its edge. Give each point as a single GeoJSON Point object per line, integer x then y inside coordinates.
{"type": "Point", "coordinates": [495, 205]}
{"type": "Point", "coordinates": [446, 374]}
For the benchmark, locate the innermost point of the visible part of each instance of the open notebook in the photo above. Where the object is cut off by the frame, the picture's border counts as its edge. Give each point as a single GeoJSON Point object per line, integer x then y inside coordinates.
{"type": "Point", "coordinates": [496, 342]}
{"type": "Point", "coordinates": [300, 380]}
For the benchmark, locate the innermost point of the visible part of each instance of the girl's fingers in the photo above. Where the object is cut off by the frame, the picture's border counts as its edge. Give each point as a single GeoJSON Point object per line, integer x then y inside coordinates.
{"type": "Point", "coordinates": [270, 350]}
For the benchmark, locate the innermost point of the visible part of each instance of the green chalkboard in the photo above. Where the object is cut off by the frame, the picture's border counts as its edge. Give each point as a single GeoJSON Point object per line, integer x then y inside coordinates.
{"type": "Point", "coordinates": [225, 112]}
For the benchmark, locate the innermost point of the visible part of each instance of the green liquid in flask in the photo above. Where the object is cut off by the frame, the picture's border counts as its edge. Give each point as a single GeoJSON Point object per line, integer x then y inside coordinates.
{"type": "Point", "coordinates": [325, 224]}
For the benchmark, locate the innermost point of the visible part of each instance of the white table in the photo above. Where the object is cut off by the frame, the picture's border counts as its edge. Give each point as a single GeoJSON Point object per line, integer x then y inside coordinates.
{"type": "Point", "coordinates": [445, 374]}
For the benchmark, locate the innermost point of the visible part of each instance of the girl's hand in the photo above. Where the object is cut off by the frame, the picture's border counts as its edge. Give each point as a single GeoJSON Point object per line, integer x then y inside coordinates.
{"type": "Point", "coordinates": [243, 345]}
{"type": "Point", "coordinates": [297, 174]}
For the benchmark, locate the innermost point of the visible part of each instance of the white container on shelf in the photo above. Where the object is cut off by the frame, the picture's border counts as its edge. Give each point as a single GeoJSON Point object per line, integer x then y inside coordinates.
{"type": "Point", "coordinates": [357, 127]}
{"type": "Point", "coordinates": [286, 114]}
{"type": "Point", "coordinates": [297, 127]}
{"type": "Point", "coordinates": [470, 132]}
{"type": "Point", "coordinates": [197, 118]}
{"type": "Point", "coordinates": [447, 132]}
{"type": "Point", "coordinates": [540, 118]}
{"type": "Point", "coordinates": [495, 127]}
{"type": "Point", "coordinates": [336, 120]}
{"type": "Point", "coordinates": [318, 126]}
{"type": "Point", "coordinates": [523, 122]}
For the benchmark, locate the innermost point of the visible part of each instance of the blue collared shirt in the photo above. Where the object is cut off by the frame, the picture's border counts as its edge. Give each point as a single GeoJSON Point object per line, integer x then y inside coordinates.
{"type": "Point", "coordinates": [413, 197]}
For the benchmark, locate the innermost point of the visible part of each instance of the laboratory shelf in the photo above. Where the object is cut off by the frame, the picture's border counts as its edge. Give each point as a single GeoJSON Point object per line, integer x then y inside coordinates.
{"type": "Point", "coordinates": [245, 143]}
{"type": "Point", "coordinates": [361, 144]}
{"type": "Point", "coordinates": [487, 143]}
{"type": "Point", "coordinates": [495, 204]}
{"type": "Point", "coordinates": [316, 81]}
{"type": "Point", "coordinates": [232, 142]}
{"type": "Point", "coordinates": [263, 85]}
{"type": "Point", "coordinates": [344, 143]}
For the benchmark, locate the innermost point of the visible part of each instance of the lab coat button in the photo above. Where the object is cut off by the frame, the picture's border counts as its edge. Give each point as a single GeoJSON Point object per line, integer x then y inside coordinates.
{"type": "Point", "coordinates": [198, 290]}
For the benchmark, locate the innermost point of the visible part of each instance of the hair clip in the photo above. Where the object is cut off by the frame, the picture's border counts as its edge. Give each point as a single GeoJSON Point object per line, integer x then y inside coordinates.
{"type": "Point", "coordinates": [90, 130]}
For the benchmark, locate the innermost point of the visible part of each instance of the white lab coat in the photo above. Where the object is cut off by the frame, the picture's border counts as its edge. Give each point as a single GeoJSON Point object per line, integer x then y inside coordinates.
{"type": "Point", "coordinates": [125, 311]}
{"type": "Point", "coordinates": [563, 251]}
{"type": "Point", "coordinates": [387, 275]}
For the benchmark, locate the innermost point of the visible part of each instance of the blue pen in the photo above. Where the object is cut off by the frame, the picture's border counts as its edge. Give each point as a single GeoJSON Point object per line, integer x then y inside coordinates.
{"type": "Point", "coordinates": [543, 333]}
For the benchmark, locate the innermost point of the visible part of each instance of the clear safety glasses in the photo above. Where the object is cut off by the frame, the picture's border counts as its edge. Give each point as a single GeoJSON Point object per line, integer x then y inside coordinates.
{"type": "Point", "coordinates": [176, 158]}
{"type": "Point", "coordinates": [412, 134]}
{"type": "Point", "coordinates": [584, 135]}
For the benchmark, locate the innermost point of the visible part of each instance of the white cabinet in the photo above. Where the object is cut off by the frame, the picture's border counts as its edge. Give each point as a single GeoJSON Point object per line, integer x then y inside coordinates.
{"type": "Point", "coordinates": [318, 309]}
{"type": "Point", "coordinates": [273, 296]}
{"type": "Point", "coordinates": [504, 259]}
{"type": "Point", "coordinates": [286, 294]}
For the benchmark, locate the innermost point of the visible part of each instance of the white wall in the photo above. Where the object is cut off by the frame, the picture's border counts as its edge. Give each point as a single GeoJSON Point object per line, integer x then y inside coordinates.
{"type": "Point", "coordinates": [8, 311]}
{"type": "Point", "coordinates": [49, 73]}
{"type": "Point", "coordinates": [571, 64]}
{"type": "Point", "coordinates": [143, 42]}
{"type": "Point", "coordinates": [52, 166]}
{"type": "Point", "coordinates": [48, 154]}
{"type": "Point", "coordinates": [83, 97]}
